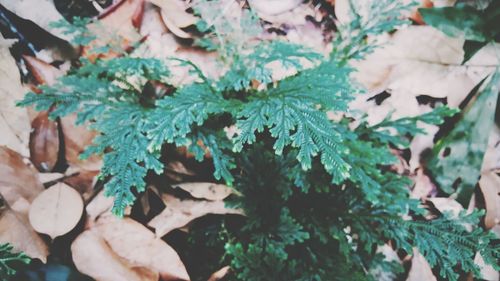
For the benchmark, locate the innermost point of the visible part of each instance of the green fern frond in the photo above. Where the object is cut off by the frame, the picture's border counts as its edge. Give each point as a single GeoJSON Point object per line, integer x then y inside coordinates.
{"type": "Point", "coordinates": [7, 257]}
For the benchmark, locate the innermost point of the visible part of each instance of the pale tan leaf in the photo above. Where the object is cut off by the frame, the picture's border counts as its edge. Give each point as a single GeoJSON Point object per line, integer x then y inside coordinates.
{"type": "Point", "coordinates": [135, 243]}
{"type": "Point", "coordinates": [488, 273]}
{"type": "Point", "coordinates": [420, 268]}
{"type": "Point", "coordinates": [16, 230]}
{"type": "Point", "coordinates": [56, 211]}
{"type": "Point", "coordinates": [14, 121]}
{"type": "Point", "coordinates": [76, 139]}
{"type": "Point", "coordinates": [175, 12]}
{"type": "Point", "coordinates": [490, 187]}
{"type": "Point", "coordinates": [99, 205]}
{"type": "Point", "coordinates": [420, 60]}
{"type": "Point", "coordinates": [448, 205]}
{"type": "Point", "coordinates": [179, 213]}
{"type": "Point", "coordinates": [43, 72]}
{"type": "Point", "coordinates": [44, 142]}
{"type": "Point", "coordinates": [17, 180]}
{"type": "Point", "coordinates": [273, 7]}
{"type": "Point", "coordinates": [219, 274]}
{"type": "Point", "coordinates": [41, 12]}
{"type": "Point", "coordinates": [118, 20]}
{"type": "Point", "coordinates": [423, 187]}
{"type": "Point", "coordinates": [92, 256]}
{"type": "Point", "coordinates": [206, 190]}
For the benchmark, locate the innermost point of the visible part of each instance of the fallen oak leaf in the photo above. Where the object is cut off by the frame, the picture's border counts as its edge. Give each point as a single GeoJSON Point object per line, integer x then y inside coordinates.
{"type": "Point", "coordinates": [44, 142]}
{"type": "Point", "coordinates": [56, 211]}
{"type": "Point", "coordinates": [138, 245]}
{"type": "Point", "coordinates": [94, 257]}
{"type": "Point", "coordinates": [76, 139]}
{"type": "Point", "coordinates": [14, 121]}
{"type": "Point", "coordinates": [17, 180]}
{"type": "Point", "coordinates": [206, 190]}
{"type": "Point", "coordinates": [16, 230]}
{"type": "Point", "coordinates": [490, 188]}
{"type": "Point", "coordinates": [420, 268]}
{"type": "Point", "coordinates": [179, 213]}
{"type": "Point", "coordinates": [219, 274]}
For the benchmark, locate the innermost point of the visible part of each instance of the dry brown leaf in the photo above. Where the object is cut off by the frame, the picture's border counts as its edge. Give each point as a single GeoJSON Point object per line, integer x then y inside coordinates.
{"type": "Point", "coordinates": [175, 16]}
{"type": "Point", "coordinates": [99, 205]}
{"type": "Point", "coordinates": [449, 205]}
{"type": "Point", "coordinates": [14, 121]}
{"type": "Point", "coordinates": [423, 187]}
{"type": "Point", "coordinates": [16, 230]}
{"type": "Point", "coordinates": [490, 187]}
{"type": "Point", "coordinates": [44, 142]}
{"type": "Point", "coordinates": [420, 60]}
{"type": "Point", "coordinates": [206, 190]}
{"type": "Point", "coordinates": [135, 243]}
{"type": "Point", "coordinates": [83, 182]}
{"type": "Point", "coordinates": [56, 211]}
{"type": "Point", "coordinates": [273, 7]}
{"type": "Point", "coordinates": [17, 180]}
{"type": "Point", "coordinates": [179, 213]}
{"type": "Point", "coordinates": [219, 274]}
{"type": "Point", "coordinates": [92, 256]}
{"type": "Point", "coordinates": [119, 20]}
{"type": "Point", "coordinates": [41, 12]}
{"type": "Point", "coordinates": [76, 139]}
{"type": "Point", "coordinates": [43, 72]}
{"type": "Point", "coordinates": [487, 271]}
{"type": "Point", "coordinates": [420, 268]}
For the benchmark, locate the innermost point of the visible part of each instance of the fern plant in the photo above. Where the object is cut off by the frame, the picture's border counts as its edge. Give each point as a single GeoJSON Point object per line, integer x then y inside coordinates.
{"type": "Point", "coordinates": [7, 258]}
{"type": "Point", "coordinates": [319, 196]}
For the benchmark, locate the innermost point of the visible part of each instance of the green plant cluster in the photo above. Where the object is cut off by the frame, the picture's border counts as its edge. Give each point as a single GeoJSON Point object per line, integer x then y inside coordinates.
{"type": "Point", "coordinates": [319, 196]}
{"type": "Point", "coordinates": [8, 259]}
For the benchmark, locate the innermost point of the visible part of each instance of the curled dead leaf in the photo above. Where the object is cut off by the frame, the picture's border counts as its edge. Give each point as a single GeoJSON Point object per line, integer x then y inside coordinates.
{"type": "Point", "coordinates": [138, 246]}
{"type": "Point", "coordinates": [17, 180]}
{"type": "Point", "coordinates": [273, 7]}
{"type": "Point", "coordinates": [206, 190]}
{"type": "Point", "coordinates": [76, 139]}
{"type": "Point", "coordinates": [179, 213]}
{"type": "Point", "coordinates": [219, 274]}
{"type": "Point", "coordinates": [14, 121]}
{"type": "Point", "coordinates": [44, 142]}
{"type": "Point", "coordinates": [56, 211]}
{"type": "Point", "coordinates": [420, 268]}
{"type": "Point", "coordinates": [43, 72]}
{"type": "Point", "coordinates": [92, 256]}
{"type": "Point", "coordinates": [490, 188]}
{"type": "Point", "coordinates": [16, 230]}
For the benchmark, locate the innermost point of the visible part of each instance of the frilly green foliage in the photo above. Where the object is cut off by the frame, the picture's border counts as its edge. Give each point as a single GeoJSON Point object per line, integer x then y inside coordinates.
{"type": "Point", "coordinates": [319, 196]}
{"type": "Point", "coordinates": [7, 258]}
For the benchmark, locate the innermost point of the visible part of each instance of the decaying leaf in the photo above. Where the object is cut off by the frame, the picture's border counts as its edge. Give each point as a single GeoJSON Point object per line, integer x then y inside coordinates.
{"type": "Point", "coordinates": [17, 180]}
{"type": "Point", "coordinates": [83, 181]}
{"type": "Point", "coordinates": [206, 190]}
{"type": "Point", "coordinates": [457, 159]}
{"type": "Point", "coordinates": [137, 245]}
{"type": "Point", "coordinates": [56, 211]}
{"type": "Point", "coordinates": [490, 187]}
{"type": "Point", "coordinates": [175, 17]}
{"type": "Point", "coordinates": [41, 12]}
{"type": "Point", "coordinates": [16, 230]}
{"type": "Point", "coordinates": [433, 69]}
{"type": "Point", "coordinates": [99, 205]}
{"type": "Point", "coordinates": [219, 274]}
{"type": "Point", "coordinates": [76, 139]}
{"type": "Point", "coordinates": [420, 268]}
{"type": "Point", "coordinates": [273, 7]}
{"type": "Point", "coordinates": [94, 257]}
{"type": "Point", "coordinates": [43, 72]}
{"type": "Point", "coordinates": [44, 142]}
{"type": "Point", "coordinates": [179, 213]}
{"type": "Point", "coordinates": [118, 19]}
{"type": "Point", "coordinates": [14, 121]}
